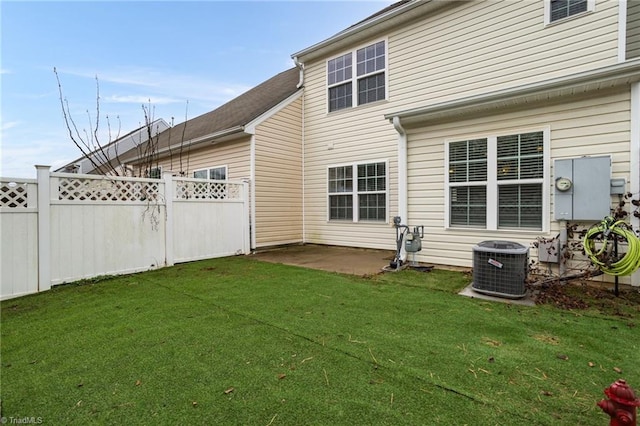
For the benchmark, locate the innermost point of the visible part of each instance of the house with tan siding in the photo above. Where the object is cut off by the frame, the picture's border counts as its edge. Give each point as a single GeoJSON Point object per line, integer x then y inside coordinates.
{"type": "Point", "coordinates": [255, 137]}
{"type": "Point", "coordinates": [460, 116]}
{"type": "Point", "coordinates": [452, 115]}
{"type": "Point", "coordinates": [258, 137]}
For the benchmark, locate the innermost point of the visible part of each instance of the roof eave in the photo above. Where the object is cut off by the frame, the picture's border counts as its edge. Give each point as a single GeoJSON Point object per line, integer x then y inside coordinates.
{"type": "Point", "coordinates": [588, 81]}
{"type": "Point", "coordinates": [363, 30]}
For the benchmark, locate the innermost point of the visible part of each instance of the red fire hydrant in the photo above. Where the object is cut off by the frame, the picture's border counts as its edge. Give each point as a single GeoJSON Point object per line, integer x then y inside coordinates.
{"type": "Point", "coordinates": [622, 404]}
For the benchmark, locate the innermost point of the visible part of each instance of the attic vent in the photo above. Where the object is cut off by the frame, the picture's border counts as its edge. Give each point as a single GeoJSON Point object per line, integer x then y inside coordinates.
{"type": "Point", "coordinates": [500, 268]}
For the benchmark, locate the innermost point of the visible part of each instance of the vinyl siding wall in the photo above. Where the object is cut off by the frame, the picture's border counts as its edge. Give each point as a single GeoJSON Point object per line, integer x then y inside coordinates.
{"type": "Point", "coordinates": [584, 126]}
{"type": "Point", "coordinates": [481, 47]}
{"type": "Point", "coordinates": [235, 155]}
{"type": "Point", "coordinates": [466, 49]}
{"type": "Point", "coordinates": [279, 177]}
{"type": "Point", "coordinates": [633, 29]}
{"type": "Point", "coordinates": [340, 138]}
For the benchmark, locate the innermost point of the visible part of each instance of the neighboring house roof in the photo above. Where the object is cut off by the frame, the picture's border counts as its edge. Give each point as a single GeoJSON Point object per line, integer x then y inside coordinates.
{"type": "Point", "coordinates": [230, 118]}
{"type": "Point", "coordinates": [114, 149]}
{"type": "Point", "coordinates": [243, 109]}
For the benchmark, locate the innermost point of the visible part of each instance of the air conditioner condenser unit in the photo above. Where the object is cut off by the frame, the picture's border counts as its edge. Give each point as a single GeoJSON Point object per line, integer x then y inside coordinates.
{"type": "Point", "coordinates": [500, 268]}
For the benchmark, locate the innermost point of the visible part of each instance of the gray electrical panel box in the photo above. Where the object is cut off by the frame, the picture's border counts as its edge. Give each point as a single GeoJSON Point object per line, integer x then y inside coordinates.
{"type": "Point", "coordinates": [582, 188]}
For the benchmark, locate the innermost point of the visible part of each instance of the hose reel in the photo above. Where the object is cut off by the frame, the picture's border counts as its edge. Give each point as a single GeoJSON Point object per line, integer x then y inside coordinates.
{"type": "Point", "coordinates": [608, 233]}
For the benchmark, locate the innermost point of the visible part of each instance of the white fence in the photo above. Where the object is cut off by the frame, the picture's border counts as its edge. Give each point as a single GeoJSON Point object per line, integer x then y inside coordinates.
{"type": "Point", "coordinates": [64, 227]}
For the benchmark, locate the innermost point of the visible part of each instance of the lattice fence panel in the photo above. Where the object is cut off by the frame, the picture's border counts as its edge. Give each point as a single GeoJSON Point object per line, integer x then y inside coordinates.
{"type": "Point", "coordinates": [207, 190]}
{"type": "Point", "coordinates": [14, 195]}
{"type": "Point", "coordinates": [107, 190]}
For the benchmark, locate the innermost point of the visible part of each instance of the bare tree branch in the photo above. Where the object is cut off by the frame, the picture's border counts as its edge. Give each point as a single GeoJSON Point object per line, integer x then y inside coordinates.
{"type": "Point", "coordinates": [184, 129]}
{"type": "Point", "coordinates": [69, 122]}
{"type": "Point", "coordinates": [106, 158]}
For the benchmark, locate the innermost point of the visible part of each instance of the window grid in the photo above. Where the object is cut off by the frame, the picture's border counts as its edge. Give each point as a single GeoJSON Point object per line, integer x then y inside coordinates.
{"type": "Point", "coordinates": [372, 207]}
{"type": "Point", "coordinates": [370, 59]}
{"type": "Point", "coordinates": [561, 9]}
{"type": "Point", "coordinates": [369, 85]}
{"type": "Point", "coordinates": [371, 89]}
{"type": "Point", "coordinates": [340, 97]}
{"type": "Point", "coordinates": [521, 156]}
{"type": "Point", "coordinates": [341, 207]}
{"type": "Point", "coordinates": [339, 69]}
{"type": "Point", "coordinates": [468, 161]}
{"type": "Point", "coordinates": [341, 179]}
{"type": "Point", "coordinates": [369, 194]}
{"type": "Point", "coordinates": [372, 200]}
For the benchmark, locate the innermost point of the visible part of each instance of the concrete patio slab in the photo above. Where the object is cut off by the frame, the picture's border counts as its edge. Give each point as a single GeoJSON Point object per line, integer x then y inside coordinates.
{"type": "Point", "coordinates": [346, 260]}
{"type": "Point", "coordinates": [355, 261]}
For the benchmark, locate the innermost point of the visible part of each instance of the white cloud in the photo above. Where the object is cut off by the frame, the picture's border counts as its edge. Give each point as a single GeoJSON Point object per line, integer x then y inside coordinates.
{"type": "Point", "coordinates": [5, 71]}
{"type": "Point", "coordinates": [6, 125]}
{"type": "Point", "coordinates": [166, 85]}
{"type": "Point", "coordinates": [142, 100]}
{"type": "Point", "coordinates": [19, 160]}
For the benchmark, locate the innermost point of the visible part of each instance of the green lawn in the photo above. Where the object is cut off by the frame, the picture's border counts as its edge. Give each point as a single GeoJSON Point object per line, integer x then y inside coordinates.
{"type": "Point", "coordinates": [238, 341]}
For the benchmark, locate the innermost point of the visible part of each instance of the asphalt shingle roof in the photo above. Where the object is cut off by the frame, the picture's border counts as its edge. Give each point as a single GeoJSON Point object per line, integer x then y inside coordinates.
{"type": "Point", "coordinates": [240, 111]}
{"type": "Point", "coordinates": [243, 109]}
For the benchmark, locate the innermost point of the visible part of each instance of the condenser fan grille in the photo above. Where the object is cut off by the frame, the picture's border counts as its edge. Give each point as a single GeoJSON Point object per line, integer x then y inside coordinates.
{"type": "Point", "coordinates": [500, 268]}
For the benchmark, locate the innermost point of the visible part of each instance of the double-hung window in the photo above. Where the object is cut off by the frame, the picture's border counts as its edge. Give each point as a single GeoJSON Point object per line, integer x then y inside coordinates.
{"type": "Point", "coordinates": [213, 173]}
{"type": "Point", "coordinates": [339, 74]}
{"type": "Point", "coordinates": [366, 85]}
{"type": "Point", "coordinates": [497, 182]}
{"type": "Point", "coordinates": [520, 175]}
{"type": "Point", "coordinates": [558, 10]}
{"type": "Point", "coordinates": [358, 192]}
{"type": "Point", "coordinates": [468, 182]}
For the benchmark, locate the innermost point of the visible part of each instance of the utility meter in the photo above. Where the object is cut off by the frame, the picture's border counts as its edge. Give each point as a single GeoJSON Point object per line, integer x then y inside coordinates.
{"type": "Point", "coordinates": [563, 184]}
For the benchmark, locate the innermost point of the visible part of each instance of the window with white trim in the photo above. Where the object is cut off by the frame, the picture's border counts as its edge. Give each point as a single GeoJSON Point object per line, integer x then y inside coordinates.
{"type": "Point", "coordinates": [362, 200]}
{"type": "Point", "coordinates": [213, 173]}
{"type": "Point", "coordinates": [366, 86]}
{"type": "Point", "coordinates": [497, 182]}
{"type": "Point", "coordinates": [558, 10]}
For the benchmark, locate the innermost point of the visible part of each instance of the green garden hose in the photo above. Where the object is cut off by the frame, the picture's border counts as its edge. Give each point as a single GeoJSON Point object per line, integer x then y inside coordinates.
{"type": "Point", "coordinates": [603, 257]}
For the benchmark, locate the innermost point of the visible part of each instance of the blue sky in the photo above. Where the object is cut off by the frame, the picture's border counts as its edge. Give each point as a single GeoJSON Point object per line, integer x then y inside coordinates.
{"type": "Point", "coordinates": [203, 53]}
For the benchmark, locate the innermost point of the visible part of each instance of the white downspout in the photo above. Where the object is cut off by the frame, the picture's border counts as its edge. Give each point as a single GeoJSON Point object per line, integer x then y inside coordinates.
{"type": "Point", "coordinates": [304, 212]}
{"type": "Point", "coordinates": [634, 178]}
{"type": "Point", "coordinates": [300, 66]}
{"type": "Point", "coordinates": [252, 189]}
{"type": "Point", "coordinates": [402, 170]}
{"type": "Point", "coordinates": [622, 31]}
{"type": "Point", "coordinates": [403, 210]}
